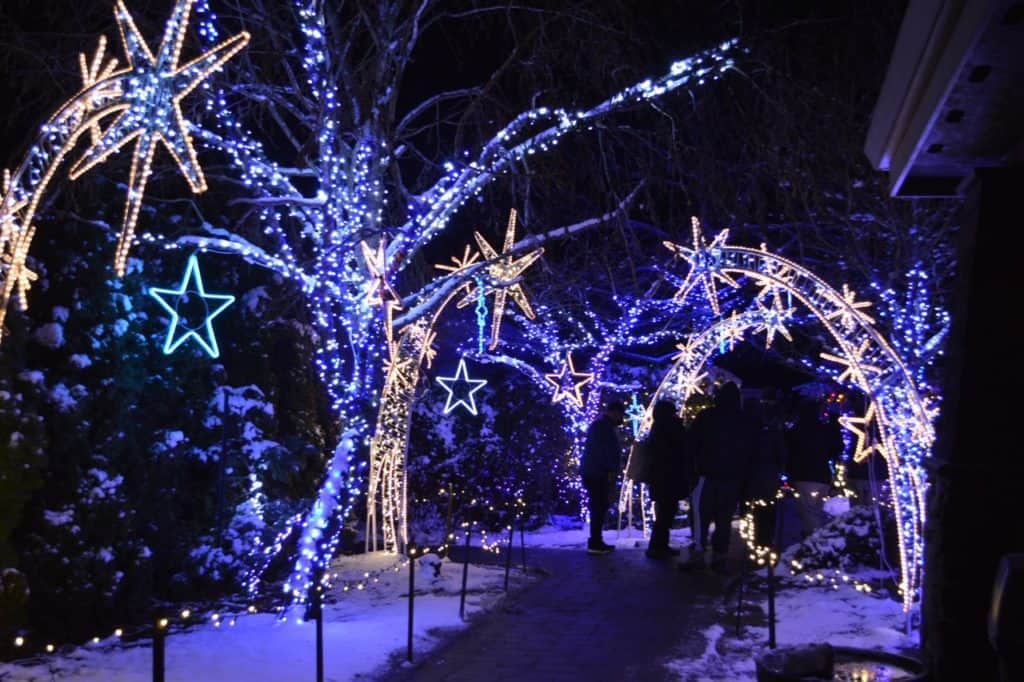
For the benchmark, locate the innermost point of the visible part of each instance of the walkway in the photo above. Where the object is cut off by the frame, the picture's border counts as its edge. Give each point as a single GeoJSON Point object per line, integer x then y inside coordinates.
{"type": "Point", "coordinates": [594, 618]}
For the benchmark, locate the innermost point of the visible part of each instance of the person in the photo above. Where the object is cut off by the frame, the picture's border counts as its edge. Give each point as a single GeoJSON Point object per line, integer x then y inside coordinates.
{"type": "Point", "coordinates": [814, 442]}
{"type": "Point", "coordinates": [602, 455]}
{"type": "Point", "coordinates": [766, 469]}
{"type": "Point", "coordinates": [671, 473]}
{"type": "Point", "coordinates": [723, 440]}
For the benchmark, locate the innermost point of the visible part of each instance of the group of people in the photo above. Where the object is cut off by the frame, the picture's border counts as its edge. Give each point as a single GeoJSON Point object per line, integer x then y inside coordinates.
{"type": "Point", "coordinates": [728, 454]}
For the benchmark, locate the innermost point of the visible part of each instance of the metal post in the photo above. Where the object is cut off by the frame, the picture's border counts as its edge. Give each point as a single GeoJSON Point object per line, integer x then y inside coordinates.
{"type": "Point", "coordinates": [522, 541]}
{"type": "Point", "coordinates": [739, 603]}
{"type": "Point", "coordinates": [771, 603]}
{"type": "Point", "coordinates": [318, 612]}
{"type": "Point", "coordinates": [465, 576]}
{"type": "Point", "coordinates": [159, 639]}
{"type": "Point", "coordinates": [412, 598]}
{"type": "Point", "coordinates": [508, 554]}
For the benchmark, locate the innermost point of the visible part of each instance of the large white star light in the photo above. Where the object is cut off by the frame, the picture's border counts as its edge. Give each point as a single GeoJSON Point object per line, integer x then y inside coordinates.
{"type": "Point", "coordinates": [569, 383]}
{"type": "Point", "coordinates": [465, 399]}
{"type": "Point", "coordinates": [705, 265]}
{"type": "Point", "coordinates": [191, 285]}
{"type": "Point", "coordinates": [149, 110]}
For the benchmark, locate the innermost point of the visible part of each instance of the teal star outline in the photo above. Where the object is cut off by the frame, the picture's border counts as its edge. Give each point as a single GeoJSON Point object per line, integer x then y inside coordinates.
{"type": "Point", "coordinates": [192, 272]}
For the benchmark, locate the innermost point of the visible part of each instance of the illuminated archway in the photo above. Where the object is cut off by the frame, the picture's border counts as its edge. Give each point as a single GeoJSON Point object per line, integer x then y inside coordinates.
{"type": "Point", "coordinates": [897, 424]}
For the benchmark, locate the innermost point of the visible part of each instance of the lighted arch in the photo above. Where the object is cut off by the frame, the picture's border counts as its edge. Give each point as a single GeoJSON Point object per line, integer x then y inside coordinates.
{"type": "Point", "coordinates": [898, 422]}
{"type": "Point", "coordinates": [411, 347]}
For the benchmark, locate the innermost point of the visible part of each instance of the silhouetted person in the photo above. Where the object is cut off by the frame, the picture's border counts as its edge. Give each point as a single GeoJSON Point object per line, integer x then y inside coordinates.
{"type": "Point", "coordinates": [814, 441]}
{"type": "Point", "coordinates": [723, 439]}
{"type": "Point", "coordinates": [671, 474]}
{"type": "Point", "coordinates": [602, 457]}
{"type": "Point", "coordinates": [766, 469]}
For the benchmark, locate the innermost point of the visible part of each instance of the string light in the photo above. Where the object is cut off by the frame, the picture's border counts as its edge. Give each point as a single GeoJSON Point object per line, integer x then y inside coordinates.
{"type": "Point", "coordinates": [635, 414]}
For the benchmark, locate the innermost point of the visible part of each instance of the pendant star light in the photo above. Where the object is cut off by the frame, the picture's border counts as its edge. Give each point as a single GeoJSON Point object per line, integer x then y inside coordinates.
{"type": "Point", "coordinates": [635, 414]}
{"type": "Point", "coordinates": [465, 398]}
{"type": "Point", "coordinates": [149, 111]}
{"type": "Point", "coordinates": [191, 285]}
{"type": "Point", "coordinates": [504, 272]}
{"type": "Point", "coordinates": [569, 383]}
{"type": "Point", "coordinates": [705, 265]}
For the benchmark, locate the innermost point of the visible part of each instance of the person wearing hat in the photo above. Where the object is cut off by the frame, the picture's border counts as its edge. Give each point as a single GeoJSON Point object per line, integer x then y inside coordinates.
{"type": "Point", "coordinates": [601, 460]}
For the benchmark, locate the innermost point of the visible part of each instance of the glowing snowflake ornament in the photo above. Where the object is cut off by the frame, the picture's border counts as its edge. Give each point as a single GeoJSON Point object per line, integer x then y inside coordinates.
{"type": "Point", "coordinates": [775, 317]}
{"type": "Point", "coordinates": [191, 285]}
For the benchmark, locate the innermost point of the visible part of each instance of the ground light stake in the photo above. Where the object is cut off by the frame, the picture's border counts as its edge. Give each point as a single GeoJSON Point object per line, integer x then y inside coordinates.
{"type": "Point", "coordinates": [318, 614]}
{"type": "Point", "coordinates": [465, 576]}
{"type": "Point", "coordinates": [508, 554]}
{"type": "Point", "coordinates": [159, 639]}
{"type": "Point", "coordinates": [412, 598]}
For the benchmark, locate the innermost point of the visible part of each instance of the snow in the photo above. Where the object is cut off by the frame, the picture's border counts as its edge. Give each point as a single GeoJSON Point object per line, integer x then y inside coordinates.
{"type": "Point", "coordinates": [362, 631]}
{"type": "Point", "coordinates": [80, 361]}
{"type": "Point", "coordinates": [32, 376]}
{"type": "Point", "coordinates": [50, 335]}
{"type": "Point", "coordinates": [62, 397]}
{"type": "Point", "coordinates": [60, 313]}
{"type": "Point", "coordinates": [805, 615]}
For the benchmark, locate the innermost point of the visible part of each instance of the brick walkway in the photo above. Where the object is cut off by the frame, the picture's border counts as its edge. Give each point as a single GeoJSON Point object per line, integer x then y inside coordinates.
{"type": "Point", "coordinates": [593, 618]}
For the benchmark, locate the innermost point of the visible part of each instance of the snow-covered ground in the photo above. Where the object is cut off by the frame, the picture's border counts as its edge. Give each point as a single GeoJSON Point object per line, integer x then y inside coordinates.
{"type": "Point", "coordinates": [805, 615]}
{"type": "Point", "coordinates": [362, 631]}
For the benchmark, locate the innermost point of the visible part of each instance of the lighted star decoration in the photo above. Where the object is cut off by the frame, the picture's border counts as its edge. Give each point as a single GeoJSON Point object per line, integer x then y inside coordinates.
{"type": "Point", "coordinates": [569, 383]}
{"type": "Point", "coordinates": [171, 299]}
{"type": "Point", "coordinates": [774, 318]}
{"type": "Point", "coordinates": [149, 110]}
{"type": "Point", "coordinates": [465, 397]}
{"type": "Point", "coordinates": [690, 384]}
{"type": "Point", "coordinates": [860, 426]}
{"type": "Point", "coordinates": [705, 265]}
{"type": "Point", "coordinates": [732, 332]}
{"type": "Point", "coordinates": [18, 277]}
{"type": "Point", "coordinates": [635, 414]}
{"type": "Point", "coordinates": [378, 289]}
{"type": "Point", "coordinates": [851, 310]}
{"type": "Point", "coordinates": [504, 272]}
{"type": "Point", "coordinates": [97, 74]}
{"type": "Point", "coordinates": [855, 367]}
{"type": "Point", "coordinates": [469, 257]}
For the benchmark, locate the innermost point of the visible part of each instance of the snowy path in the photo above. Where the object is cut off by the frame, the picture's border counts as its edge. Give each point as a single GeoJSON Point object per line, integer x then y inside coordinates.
{"type": "Point", "coordinates": [615, 617]}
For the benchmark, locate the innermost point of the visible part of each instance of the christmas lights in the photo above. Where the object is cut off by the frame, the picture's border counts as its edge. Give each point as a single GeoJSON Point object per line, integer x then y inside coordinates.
{"type": "Point", "coordinates": [191, 284]}
{"type": "Point", "coordinates": [635, 414]}
{"type": "Point", "coordinates": [149, 110]}
{"type": "Point", "coordinates": [311, 237]}
{"type": "Point", "coordinates": [465, 399]}
{"type": "Point", "coordinates": [569, 383]}
{"type": "Point", "coordinates": [898, 419]}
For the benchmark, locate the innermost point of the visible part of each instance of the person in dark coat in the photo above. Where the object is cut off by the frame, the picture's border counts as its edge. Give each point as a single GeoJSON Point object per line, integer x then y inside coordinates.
{"type": "Point", "coordinates": [766, 468]}
{"type": "Point", "coordinates": [815, 441]}
{"type": "Point", "coordinates": [723, 440]}
{"type": "Point", "coordinates": [601, 460]}
{"type": "Point", "coordinates": [671, 473]}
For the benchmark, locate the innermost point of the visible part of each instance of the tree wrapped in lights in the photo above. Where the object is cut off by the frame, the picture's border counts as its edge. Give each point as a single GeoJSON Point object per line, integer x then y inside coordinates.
{"type": "Point", "coordinates": [340, 228]}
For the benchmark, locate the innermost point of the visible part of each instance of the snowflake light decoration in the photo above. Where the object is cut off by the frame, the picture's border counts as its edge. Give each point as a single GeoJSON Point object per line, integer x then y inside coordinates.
{"type": "Point", "coordinates": [705, 265]}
